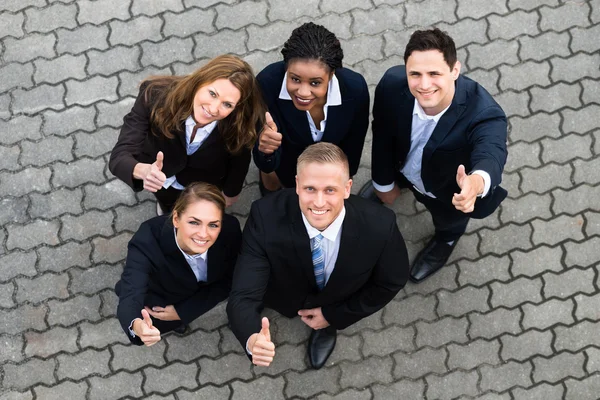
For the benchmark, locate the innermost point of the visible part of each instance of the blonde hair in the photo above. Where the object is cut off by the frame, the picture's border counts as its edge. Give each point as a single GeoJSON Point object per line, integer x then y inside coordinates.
{"type": "Point", "coordinates": [323, 153]}
{"type": "Point", "coordinates": [198, 191]}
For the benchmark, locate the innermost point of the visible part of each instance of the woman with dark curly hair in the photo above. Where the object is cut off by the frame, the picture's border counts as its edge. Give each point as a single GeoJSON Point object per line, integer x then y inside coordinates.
{"type": "Point", "coordinates": [311, 98]}
{"type": "Point", "coordinates": [183, 129]}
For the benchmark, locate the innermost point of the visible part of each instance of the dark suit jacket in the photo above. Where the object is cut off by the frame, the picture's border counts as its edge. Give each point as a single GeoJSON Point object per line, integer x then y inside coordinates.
{"type": "Point", "coordinates": [472, 132]}
{"type": "Point", "coordinates": [275, 265]}
{"type": "Point", "coordinates": [211, 163]}
{"type": "Point", "coordinates": [346, 124]}
{"type": "Point", "coordinates": [157, 274]}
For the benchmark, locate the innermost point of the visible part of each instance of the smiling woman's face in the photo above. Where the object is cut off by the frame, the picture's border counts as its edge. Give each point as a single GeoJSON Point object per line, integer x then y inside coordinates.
{"type": "Point", "coordinates": [215, 101]}
{"type": "Point", "coordinates": [307, 83]}
{"type": "Point", "coordinates": [198, 226]}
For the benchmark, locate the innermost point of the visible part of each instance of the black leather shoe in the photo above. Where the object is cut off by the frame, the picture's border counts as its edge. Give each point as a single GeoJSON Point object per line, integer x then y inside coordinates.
{"type": "Point", "coordinates": [368, 192]}
{"type": "Point", "coordinates": [431, 259]}
{"type": "Point", "coordinates": [181, 329]}
{"type": "Point", "coordinates": [320, 346]}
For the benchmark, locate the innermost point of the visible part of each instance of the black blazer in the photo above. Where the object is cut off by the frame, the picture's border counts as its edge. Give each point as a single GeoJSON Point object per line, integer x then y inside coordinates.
{"type": "Point", "coordinates": [157, 274]}
{"type": "Point", "coordinates": [275, 265]}
{"type": "Point", "coordinates": [211, 163]}
{"type": "Point", "coordinates": [346, 124]}
{"type": "Point", "coordinates": [472, 132]}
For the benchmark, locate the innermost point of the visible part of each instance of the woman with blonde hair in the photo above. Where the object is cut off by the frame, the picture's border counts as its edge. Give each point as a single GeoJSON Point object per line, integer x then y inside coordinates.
{"type": "Point", "coordinates": [184, 129]}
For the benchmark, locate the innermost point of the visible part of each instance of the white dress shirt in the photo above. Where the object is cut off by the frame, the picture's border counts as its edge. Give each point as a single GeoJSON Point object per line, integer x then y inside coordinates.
{"type": "Point", "coordinates": [201, 135]}
{"type": "Point", "coordinates": [334, 98]}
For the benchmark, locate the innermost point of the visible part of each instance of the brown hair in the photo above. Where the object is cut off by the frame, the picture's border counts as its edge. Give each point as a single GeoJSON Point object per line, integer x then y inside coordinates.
{"type": "Point", "coordinates": [323, 153]}
{"type": "Point", "coordinates": [433, 39]}
{"type": "Point", "coordinates": [195, 192]}
{"type": "Point", "coordinates": [173, 101]}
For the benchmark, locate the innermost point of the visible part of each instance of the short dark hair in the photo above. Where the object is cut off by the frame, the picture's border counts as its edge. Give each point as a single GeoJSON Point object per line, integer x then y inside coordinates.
{"type": "Point", "coordinates": [432, 39]}
{"type": "Point", "coordinates": [313, 42]}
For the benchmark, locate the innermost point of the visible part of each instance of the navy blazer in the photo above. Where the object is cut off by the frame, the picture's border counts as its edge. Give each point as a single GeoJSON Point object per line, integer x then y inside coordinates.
{"type": "Point", "coordinates": [471, 132]}
{"type": "Point", "coordinates": [275, 265]}
{"type": "Point", "coordinates": [157, 274]}
{"type": "Point", "coordinates": [346, 126]}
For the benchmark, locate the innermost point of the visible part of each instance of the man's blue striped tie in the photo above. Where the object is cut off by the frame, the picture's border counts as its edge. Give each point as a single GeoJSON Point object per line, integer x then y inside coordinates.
{"type": "Point", "coordinates": [318, 259]}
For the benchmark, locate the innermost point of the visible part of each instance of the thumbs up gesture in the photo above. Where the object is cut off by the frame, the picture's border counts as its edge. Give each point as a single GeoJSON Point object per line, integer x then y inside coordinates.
{"type": "Point", "coordinates": [261, 346]}
{"type": "Point", "coordinates": [269, 139]}
{"type": "Point", "coordinates": [470, 186]}
{"type": "Point", "coordinates": [151, 174]}
{"type": "Point", "coordinates": [145, 330]}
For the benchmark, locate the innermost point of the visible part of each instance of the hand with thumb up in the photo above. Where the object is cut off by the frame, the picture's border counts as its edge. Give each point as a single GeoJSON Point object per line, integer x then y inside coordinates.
{"type": "Point", "coordinates": [145, 330]}
{"type": "Point", "coordinates": [269, 139]}
{"type": "Point", "coordinates": [470, 186]}
{"type": "Point", "coordinates": [261, 346]}
{"type": "Point", "coordinates": [151, 174]}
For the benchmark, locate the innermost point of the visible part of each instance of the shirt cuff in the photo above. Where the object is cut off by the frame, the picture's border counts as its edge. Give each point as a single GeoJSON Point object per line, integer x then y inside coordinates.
{"type": "Point", "coordinates": [247, 349]}
{"type": "Point", "coordinates": [487, 181]}
{"type": "Point", "coordinates": [383, 188]}
{"type": "Point", "coordinates": [131, 332]}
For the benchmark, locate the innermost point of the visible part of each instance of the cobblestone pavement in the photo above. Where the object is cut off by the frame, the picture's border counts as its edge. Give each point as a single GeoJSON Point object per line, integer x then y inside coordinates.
{"type": "Point", "coordinates": [515, 315]}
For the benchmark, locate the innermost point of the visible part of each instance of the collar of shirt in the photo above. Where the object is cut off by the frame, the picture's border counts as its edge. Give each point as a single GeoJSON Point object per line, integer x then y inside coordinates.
{"type": "Point", "coordinates": [334, 96]}
{"type": "Point", "coordinates": [189, 127]}
{"type": "Point", "coordinates": [333, 230]}
{"type": "Point", "coordinates": [417, 109]}
{"type": "Point", "coordinates": [189, 258]}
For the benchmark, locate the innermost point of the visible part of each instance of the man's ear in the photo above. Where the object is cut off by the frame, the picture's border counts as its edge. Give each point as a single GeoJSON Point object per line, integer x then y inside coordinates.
{"type": "Point", "coordinates": [348, 188]}
{"type": "Point", "coordinates": [456, 70]}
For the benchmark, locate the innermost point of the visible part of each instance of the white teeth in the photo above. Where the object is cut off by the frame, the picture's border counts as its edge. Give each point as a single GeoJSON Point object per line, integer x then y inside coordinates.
{"type": "Point", "coordinates": [200, 242]}
{"type": "Point", "coordinates": [319, 212]}
{"type": "Point", "coordinates": [302, 101]}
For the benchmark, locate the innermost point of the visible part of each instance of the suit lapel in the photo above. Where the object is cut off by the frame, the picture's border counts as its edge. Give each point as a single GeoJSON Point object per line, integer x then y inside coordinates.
{"type": "Point", "coordinates": [297, 120]}
{"type": "Point", "coordinates": [177, 263]}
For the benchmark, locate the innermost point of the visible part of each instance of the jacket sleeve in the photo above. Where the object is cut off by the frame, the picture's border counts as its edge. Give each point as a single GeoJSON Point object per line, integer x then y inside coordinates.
{"type": "Point", "coordinates": [354, 141]}
{"type": "Point", "coordinates": [125, 154]}
{"type": "Point", "coordinates": [384, 137]}
{"type": "Point", "coordinates": [236, 173]}
{"type": "Point", "coordinates": [389, 276]}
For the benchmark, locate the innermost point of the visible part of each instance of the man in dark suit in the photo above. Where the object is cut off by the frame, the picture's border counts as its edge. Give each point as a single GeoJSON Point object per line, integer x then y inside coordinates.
{"type": "Point", "coordinates": [443, 136]}
{"type": "Point", "coordinates": [317, 252]}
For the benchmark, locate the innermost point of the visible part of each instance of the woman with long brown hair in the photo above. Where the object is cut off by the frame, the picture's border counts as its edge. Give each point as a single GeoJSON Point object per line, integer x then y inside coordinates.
{"type": "Point", "coordinates": [183, 129]}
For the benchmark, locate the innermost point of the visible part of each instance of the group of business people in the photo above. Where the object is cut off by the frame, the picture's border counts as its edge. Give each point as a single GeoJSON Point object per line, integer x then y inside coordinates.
{"type": "Point", "coordinates": [309, 248]}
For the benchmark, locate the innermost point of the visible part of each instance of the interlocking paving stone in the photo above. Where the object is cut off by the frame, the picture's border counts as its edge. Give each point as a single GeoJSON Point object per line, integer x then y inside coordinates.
{"type": "Point", "coordinates": [430, 12]}
{"type": "Point", "coordinates": [262, 388]}
{"type": "Point", "coordinates": [91, 90]}
{"type": "Point", "coordinates": [558, 367]}
{"type": "Point", "coordinates": [29, 47]}
{"type": "Point", "coordinates": [487, 79]}
{"type": "Point", "coordinates": [371, 322]}
{"type": "Point", "coordinates": [95, 144]}
{"type": "Point", "coordinates": [110, 250]}
{"type": "Point", "coordinates": [585, 389]}
{"type": "Point", "coordinates": [29, 373]}
{"type": "Point", "coordinates": [591, 90]}
{"type": "Point", "coordinates": [534, 127]}
{"type": "Point", "coordinates": [11, 24]}
{"type": "Point", "coordinates": [110, 194]}
{"type": "Point", "coordinates": [101, 334]}
{"type": "Point", "coordinates": [508, 237]}
{"type": "Point", "coordinates": [545, 45]}
{"type": "Point", "coordinates": [452, 385]}
{"type": "Point", "coordinates": [173, 376]}
{"type": "Point", "coordinates": [51, 342]}
{"type": "Point", "coordinates": [593, 360]}
{"type": "Point", "coordinates": [536, 261]}
{"type": "Point", "coordinates": [166, 52]}
{"type": "Point", "coordinates": [514, 103]}
{"type": "Point", "coordinates": [16, 75]}
{"type": "Point", "coordinates": [13, 210]}
{"type": "Point", "coordinates": [576, 67]}
{"type": "Point", "coordinates": [554, 149]}
{"type": "Point", "coordinates": [130, 81]}
{"type": "Point", "coordinates": [466, 31]}
{"type": "Point", "coordinates": [545, 178]}
{"type": "Point", "coordinates": [85, 225]}
{"type": "Point", "coordinates": [565, 16]}
{"type": "Point", "coordinates": [576, 337]}
{"type": "Point", "coordinates": [495, 323]}
{"type": "Point", "coordinates": [526, 345]}
{"type": "Point", "coordinates": [50, 18]}
{"type": "Point", "coordinates": [6, 295]}
{"type": "Point", "coordinates": [224, 369]}
{"type": "Point", "coordinates": [25, 260]}
{"type": "Point", "coordinates": [239, 15]}
{"type": "Point", "coordinates": [544, 391]}
{"type": "Point", "coordinates": [493, 54]}
{"type": "Point", "coordinates": [62, 391]}
{"type": "Point", "coordinates": [444, 279]}
{"type": "Point", "coordinates": [46, 151]}
{"type": "Point", "coordinates": [518, 291]}
{"type": "Point", "coordinates": [387, 341]}
{"type": "Point", "coordinates": [94, 279]}
{"type": "Point", "coordinates": [207, 392]}
{"type": "Point", "coordinates": [505, 376]}
{"type": "Point", "coordinates": [11, 395]}
{"type": "Point", "coordinates": [512, 25]}
{"type": "Point", "coordinates": [70, 120]}
{"type": "Point", "coordinates": [576, 200]}
{"type": "Point", "coordinates": [410, 309]}
{"type": "Point", "coordinates": [135, 30]}
{"type": "Point", "coordinates": [203, 343]}
{"type": "Point", "coordinates": [524, 154]}
{"type": "Point", "coordinates": [10, 349]}
{"type": "Point", "coordinates": [482, 271]}
{"type": "Point", "coordinates": [113, 60]}
{"type": "Point", "coordinates": [46, 286]}
{"type": "Point", "coordinates": [131, 358]}
{"type": "Point", "coordinates": [587, 306]}
{"type": "Point", "coordinates": [39, 98]}
{"type": "Point", "coordinates": [420, 363]}
{"type": "Point", "coordinates": [475, 10]}
{"type": "Point", "coordinates": [78, 172]}
{"type": "Point", "coordinates": [556, 230]}
{"type": "Point", "coordinates": [444, 331]}
{"type": "Point", "coordinates": [116, 386]}
{"type": "Point", "coordinates": [99, 11]}
{"type": "Point", "coordinates": [68, 312]}
{"type": "Point", "coordinates": [569, 282]}
{"type": "Point", "coordinates": [585, 171]}
{"type": "Point", "coordinates": [463, 301]}
{"type": "Point", "coordinates": [526, 208]}
{"type": "Point", "coordinates": [555, 97]}
{"type": "Point", "coordinates": [370, 370]}
{"type": "Point", "coordinates": [472, 354]}
{"type": "Point", "coordinates": [83, 38]}
{"type": "Point", "coordinates": [31, 235]}
{"type": "Point", "coordinates": [376, 21]}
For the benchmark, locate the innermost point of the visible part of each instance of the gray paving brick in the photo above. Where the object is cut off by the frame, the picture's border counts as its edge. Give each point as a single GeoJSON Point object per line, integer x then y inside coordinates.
{"type": "Point", "coordinates": [473, 354]}
{"type": "Point", "coordinates": [466, 31]}
{"type": "Point", "coordinates": [513, 293]}
{"type": "Point", "coordinates": [20, 128]}
{"type": "Point", "coordinates": [46, 151]}
{"type": "Point", "coordinates": [109, 304]}
{"type": "Point", "coordinates": [507, 238]}
{"type": "Point", "coordinates": [578, 146]}
{"type": "Point", "coordinates": [347, 348]}
{"type": "Point", "coordinates": [586, 389]}
{"type": "Point", "coordinates": [580, 121]}
{"type": "Point", "coordinates": [463, 301]}
{"type": "Point", "coordinates": [495, 323]}
{"type": "Point", "coordinates": [55, 203]}
{"type": "Point", "coordinates": [82, 38]}
{"type": "Point", "coordinates": [576, 255]}
{"type": "Point", "coordinates": [593, 360]}
{"type": "Point", "coordinates": [234, 41]}
{"type": "Point", "coordinates": [129, 218]}
{"type": "Point", "coordinates": [95, 144]}
{"type": "Point", "coordinates": [78, 172]}
{"type": "Point", "coordinates": [512, 183]}
{"type": "Point", "coordinates": [557, 230]}
{"type": "Point", "coordinates": [70, 120]}
{"type": "Point", "coordinates": [86, 225]}
{"type": "Point", "coordinates": [92, 280]}
{"type": "Point", "coordinates": [591, 90]}
{"type": "Point", "coordinates": [37, 178]}
{"type": "Point", "coordinates": [530, 4]}
{"type": "Point", "coordinates": [69, 312]}
{"type": "Point", "coordinates": [526, 208]}
{"type": "Point", "coordinates": [583, 39]}
{"type": "Point", "coordinates": [545, 178]}
{"type": "Point", "coordinates": [293, 9]}
{"type": "Point", "coordinates": [50, 342]}
{"type": "Point", "coordinates": [362, 47]}
{"type": "Point", "coordinates": [446, 330]}
{"type": "Point", "coordinates": [115, 386]}
{"type": "Point", "coordinates": [205, 393]}
{"type": "Point", "coordinates": [130, 81]}
{"type": "Point", "coordinates": [111, 114]}
{"type": "Point", "coordinates": [586, 171]}
{"type": "Point", "coordinates": [514, 103]}
{"type": "Point", "coordinates": [546, 45]}
{"type": "Point", "coordinates": [28, 48]}
{"type": "Point", "coordinates": [11, 348]}
{"type": "Point", "coordinates": [388, 341]}
{"type": "Point", "coordinates": [512, 25]}
{"type": "Point", "coordinates": [370, 22]}
{"type": "Point", "coordinates": [408, 310]}
{"type": "Point", "coordinates": [534, 127]}
{"type": "Point", "coordinates": [370, 370]}
{"type": "Point", "coordinates": [444, 279]}
{"type": "Point", "coordinates": [28, 374]}
{"type": "Point", "coordinates": [25, 261]}
{"type": "Point", "coordinates": [544, 315]}
{"type": "Point", "coordinates": [373, 322]}
{"type": "Point", "coordinates": [484, 270]}
{"type": "Point", "coordinates": [60, 69]}
{"type": "Point", "coordinates": [18, 5]}
{"type": "Point", "coordinates": [171, 377]}
{"type": "Point", "coordinates": [395, 43]}
{"type": "Point", "coordinates": [98, 336]}
{"type": "Point", "coordinates": [555, 97]}
{"type": "Point", "coordinates": [13, 210]}
{"type": "Point", "coordinates": [487, 79]}
{"type": "Point", "coordinates": [11, 25]}
{"type": "Point", "coordinates": [570, 282]}
{"type": "Point", "coordinates": [262, 388]}
{"type": "Point", "coordinates": [241, 14]}
{"type": "Point", "coordinates": [505, 376]}
{"type": "Point", "coordinates": [308, 383]}
{"type": "Point", "coordinates": [108, 195]}
{"type": "Point", "coordinates": [420, 363]}
{"type": "Point", "coordinates": [131, 358]}
{"type": "Point", "coordinates": [592, 226]}
{"type": "Point", "coordinates": [343, 6]}
{"type": "Point", "coordinates": [12, 395]}
{"type": "Point", "coordinates": [596, 135]}
{"type": "Point", "coordinates": [99, 11]}
{"type": "Point", "coordinates": [416, 227]}
{"type": "Point", "coordinates": [351, 394]}
{"type": "Point", "coordinates": [46, 286]}
{"type": "Point", "coordinates": [536, 261]}
{"type": "Point", "coordinates": [111, 250]}
{"type": "Point", "coordinates": [587, 306]}
{"type": "Point", "coordinates": [336, 23]}
{"type": "Point", "coordinates": [575, 200]}
{"type": "Point", "coordinates": [15, 75]}
{"type": "Point", "coordinates": [91, 90]}
{"type": "Point", "coordinates": [191, 21]}
{"type": "Point", "coordinates": [135, 30]}
{"type": "Point", "coordinates": [563, 17]}
{"type": "Point", "coordinates": [167, 52]}
{"type": "Point", "coordinates": [156, 7]}
{"type": "Point", "coordinates": [50, 18]}
{"type": "Point", "coordinates": [38, 99]}
{"type": "Point", "coordinates": [62, 391]}
{"type": "Point", "coordinates": [558, 367]}
{"type": "Point", "coordinates": [203, 343]}
{"type": "Point", "coordinates": [21, 319]}
{"type": "Point", "coordinates": [5, 101]}
{"type": "Point", "coordinates": [492, 54]}
{"type": "Point", "coordinates": [544, 391]}
{"type": "Point", "coordinates": [574, 68]}
{"type": "Point", "coordinates": [476, 10]}
{"type": "Point", "coordinates": [224, 369]}
{"type": "Point", "coordinates": [6, 295]}
{"type": "Point", "coordinates": [115, 59]}
{"type": "Point", "coordinates": [430, 12]}
{"type": "Point", "coordinates": [452, 385]}
{"type": "Point", "coordinates": [9, 157]}
{"type": "Point", "coordinates": [31, 235]}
